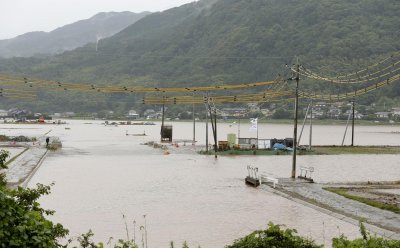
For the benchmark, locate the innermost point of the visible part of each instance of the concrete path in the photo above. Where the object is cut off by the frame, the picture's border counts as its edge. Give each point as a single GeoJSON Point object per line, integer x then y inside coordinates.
{"type": "Point", "coordinates": [381, 222]}
{"type": "Point", "coordinates": [24, 166]}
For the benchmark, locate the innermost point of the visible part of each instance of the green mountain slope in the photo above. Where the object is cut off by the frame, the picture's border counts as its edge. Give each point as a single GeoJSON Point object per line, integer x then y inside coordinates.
{"type": "Point", "coordinates": [70, 36]}
{"type": "Point", "coordinates": [231, 41]}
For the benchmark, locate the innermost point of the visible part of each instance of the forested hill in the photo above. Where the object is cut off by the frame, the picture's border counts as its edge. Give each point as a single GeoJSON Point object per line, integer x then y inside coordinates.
{"type": "Point", "coordinates": [70, 36]}
{"type": "Point", "coordinates": [231, 41]}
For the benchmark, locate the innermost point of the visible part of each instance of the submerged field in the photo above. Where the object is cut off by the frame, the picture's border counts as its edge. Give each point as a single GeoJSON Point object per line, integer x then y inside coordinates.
{"type": "Point", "coordinates": [320, 150]}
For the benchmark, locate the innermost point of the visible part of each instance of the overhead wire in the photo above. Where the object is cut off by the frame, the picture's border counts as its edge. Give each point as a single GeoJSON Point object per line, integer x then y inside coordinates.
{"type": "Point", "coordinates": [350, 94]}
{"type": "Point", "coordinates": [359, 76]}
{"type": "Point", "coordinates": [124, 89]}
{"type": "Point", "coordinates": [363, 79]}
{"type": "Point", "coordinates": [275, 88]}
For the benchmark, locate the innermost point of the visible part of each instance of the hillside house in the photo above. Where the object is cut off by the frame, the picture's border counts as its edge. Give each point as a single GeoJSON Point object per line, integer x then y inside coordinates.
{"type": "Point", "coordinates": [132, 114]}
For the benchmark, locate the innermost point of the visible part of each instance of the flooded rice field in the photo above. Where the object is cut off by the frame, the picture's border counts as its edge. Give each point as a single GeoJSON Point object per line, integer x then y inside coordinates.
{"type": "Point", "coordinates": [101, 173]}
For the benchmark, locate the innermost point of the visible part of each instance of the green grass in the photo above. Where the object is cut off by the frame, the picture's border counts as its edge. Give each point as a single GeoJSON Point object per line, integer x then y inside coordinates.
{"type": "Point", "coordinates": [344, 192]}
{"type": "Point", "coordinates": [337, 150]}
{"type": "Point", "coordinates": [318, 150]}
{"type": "Point", "coordinates": [257, 152]}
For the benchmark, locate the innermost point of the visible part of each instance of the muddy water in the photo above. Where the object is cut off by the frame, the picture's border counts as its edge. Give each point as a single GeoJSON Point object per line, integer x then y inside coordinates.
{"type": "Point", "coordinates": [101, 174]}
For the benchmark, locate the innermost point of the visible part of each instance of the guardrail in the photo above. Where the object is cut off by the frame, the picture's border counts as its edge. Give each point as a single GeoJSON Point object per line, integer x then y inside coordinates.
{"type": "Point", "coordinates": [252, 178]}
{"type": "Point", "coordinates": [304, 171]}
{"type": "Point", "coordinates": [265, 178]}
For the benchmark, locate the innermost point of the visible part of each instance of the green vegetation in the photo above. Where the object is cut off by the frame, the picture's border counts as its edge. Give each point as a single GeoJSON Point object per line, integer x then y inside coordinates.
{"type": "Point", "coordinates": [255, 152]}
{"type": "Point", "coordinates": [55, 144]}
{"type": "Point", "coordinates": [67, 37]}
{"type": "Point", "coordinates": [212, 42]}
{"type": "Point", "coordinates": [4, 138]}
{"type": "Point", "coordinates": [317, 150]}
{"type": "Point", "coordinates": [367, 241]}
{"type": "Point", "coordinates": [378, 204]}
{"type": "Point", "coordinates": [337, 150]}
{"type": "Point", "coordinates": [23, 222]}
{"type": "Point", "coordinates": [274, 236]}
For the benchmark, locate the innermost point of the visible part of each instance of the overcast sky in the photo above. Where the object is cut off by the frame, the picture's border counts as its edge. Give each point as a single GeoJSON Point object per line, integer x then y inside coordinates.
{"type": "Point", "coordinates": [21, 16]}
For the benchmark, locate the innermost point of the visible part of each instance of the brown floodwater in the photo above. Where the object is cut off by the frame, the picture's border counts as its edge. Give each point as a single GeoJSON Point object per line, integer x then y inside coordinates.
{"type": "Point", "coordinates": [101, 174]}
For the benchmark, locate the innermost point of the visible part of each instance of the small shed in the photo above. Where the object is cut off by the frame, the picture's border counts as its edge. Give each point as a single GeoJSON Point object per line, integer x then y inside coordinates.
{"type": "Point", "coordinates": [166, 133]}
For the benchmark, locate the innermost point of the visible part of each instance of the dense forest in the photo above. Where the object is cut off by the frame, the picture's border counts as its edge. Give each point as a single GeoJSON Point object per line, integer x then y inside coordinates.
{"type": "Point", "coordinates": [223, 41]}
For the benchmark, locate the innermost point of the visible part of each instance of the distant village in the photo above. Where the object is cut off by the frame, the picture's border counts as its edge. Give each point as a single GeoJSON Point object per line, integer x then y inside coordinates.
{"type": "Point", "coordinates": [320, 110]}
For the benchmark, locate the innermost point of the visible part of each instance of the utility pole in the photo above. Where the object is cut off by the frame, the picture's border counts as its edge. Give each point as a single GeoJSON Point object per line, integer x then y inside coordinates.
{"type": "Point", "coordinates": [214, 128]}
{"type": "Point", "coordinates": [194, 124]}
{"type": "Point", "coordinates": [207, 125]}
{"type": "Point", "coordinates": [352, 127]}
{"type": "Point", "coordinates": [216, 137]}
{"type": "Point", "coordinates": [311, 123]}
{"type": "Point", "coordinates": [145, 229]}
{"type": "Point", "coordinates": [304, 123]}
{"type": "Point", "coordinates": [296, 108]}
{"type": "Point", "coordinates": [162, 120]}
{"type": "Point", "coordinates": [347, 125]}
{"type": "Point", "coordinates": [238, 129]}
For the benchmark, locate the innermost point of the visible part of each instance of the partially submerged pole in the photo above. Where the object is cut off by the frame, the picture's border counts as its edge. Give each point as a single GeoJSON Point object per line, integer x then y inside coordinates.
{"type": "Point", "coordinates": [145, 230]}
{"type": "Point", "coordinates": [296, 107]}
{"type": "Point", "coordinates": [206, 129]}
{"type": "Point", "coordinates": [352, 127]}
{"type": "Point", "coordinates": [311, 123]}
{"type": "Point", "coordinates": [162, 120]}
{"type": "Point", "coordinates": [304, 123]}
{"type": "Point", "coordinates": [194, 124]}
{"type": "Point", "coordinates": [213, 125]}
{"type": "Point", "coordinates": [215, 133]}
{"type": "Point", "coordinates": [238, 129]}
{"type": "Point", "coordinates": [347, 125]}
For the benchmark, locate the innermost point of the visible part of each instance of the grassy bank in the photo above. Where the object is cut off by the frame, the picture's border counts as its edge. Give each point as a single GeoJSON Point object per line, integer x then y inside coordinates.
{"type": "Point", "coordinates": [345, 192]}
{"type": "Point", "coordinates": [338, 150]}
{"type": "Point", "coordinates": [318, 150]}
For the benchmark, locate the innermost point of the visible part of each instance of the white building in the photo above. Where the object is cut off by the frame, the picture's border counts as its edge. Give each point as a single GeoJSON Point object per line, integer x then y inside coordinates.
{"type": "Point", "coordinates": [3, 113]}
{"type": "Point", "coordinates": [383, 115]}
{"type": "Point", "coordinates": [132, 114]}
{"type": "Point", "coordinates": [396, 111]}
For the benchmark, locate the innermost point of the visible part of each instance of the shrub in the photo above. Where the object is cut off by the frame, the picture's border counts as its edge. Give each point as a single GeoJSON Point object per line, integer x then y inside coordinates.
{"type": "Point", "coordinates": [274, 236]}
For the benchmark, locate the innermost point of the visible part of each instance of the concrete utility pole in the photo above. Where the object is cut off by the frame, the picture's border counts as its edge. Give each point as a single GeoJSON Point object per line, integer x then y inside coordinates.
{"type": "Point", "coordinates": [216, 137]}
{"type": "Point", "coordinates": [296, 108]}
{"type": "Point", "coordinates": [347, 125]}
{"type": "Point", "coordinates": [162, 120]}
{"type": "Point", "coordinates": [207, 124]}
{"type": "Point", "coordinates": [311, 119]}
{"type": "Point", "coordinates": [257, 133]}
{"type": "Point", "coordinates": [213, 124]}
{"type": "Point", "coordinates": [352, 128]}
{"type": "Point", "coordinates": [194, 124]}
{"type": "Point", "coordinates": [145, 229]}
{"type": "Point", "coordinates": [238, 129]}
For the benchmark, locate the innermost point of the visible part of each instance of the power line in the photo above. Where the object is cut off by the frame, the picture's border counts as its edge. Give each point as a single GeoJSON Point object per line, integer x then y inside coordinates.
{"type": "Point", "coordinates": [123, 89]}
{"type": "Point", "coordinates": [361, 76]}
